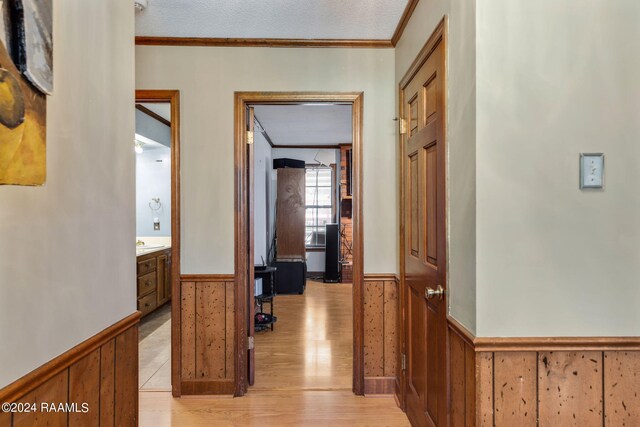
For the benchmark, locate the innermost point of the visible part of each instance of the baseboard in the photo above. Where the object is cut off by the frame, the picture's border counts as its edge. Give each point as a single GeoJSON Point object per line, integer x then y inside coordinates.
{"type": "Point", "coordinates": [102, 372]}
{"type": "Point", "coordinates": [379, 385]}
{"type": "Point", "coordinates": [206, 387]}
{"type": "Point", "coordinates": [380, 277]}
{"type": "Point", "coordinates": [207, 277]}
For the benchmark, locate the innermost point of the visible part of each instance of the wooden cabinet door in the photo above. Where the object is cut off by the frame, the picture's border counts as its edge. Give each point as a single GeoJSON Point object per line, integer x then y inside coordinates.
{"type": "Point", "coordinates": [425, 258]}
{"type": "Point", "coordinates": [162, 270]}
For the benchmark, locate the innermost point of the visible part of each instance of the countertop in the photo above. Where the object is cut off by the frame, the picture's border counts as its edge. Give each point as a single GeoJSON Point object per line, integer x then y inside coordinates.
{"type": "Point", "coordinates": [145, 251]}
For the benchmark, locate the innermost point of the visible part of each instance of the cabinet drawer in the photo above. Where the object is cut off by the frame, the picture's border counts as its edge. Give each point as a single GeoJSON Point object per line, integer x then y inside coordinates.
{"type": "Point", "coordinates": [146, 266]}
{"type": "Point", "coordinates": [146, 283]}
{"type": "Point", "coordinates": [147, 303]}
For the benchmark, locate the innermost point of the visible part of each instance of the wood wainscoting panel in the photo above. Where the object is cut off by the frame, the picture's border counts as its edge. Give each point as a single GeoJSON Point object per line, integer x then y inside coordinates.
{"type": "Point", "coordinates": [457, 387]}
{"type": "Point", "coordinates": [126, 378]}
{"type": "Point", "coordinates": [462, 375]}
{"type": "Point", "coordinates": [380, 333]}
{"type": "Point", "coordinates": [622, 388]}
{"type": "Point", "coordinates": [5, 419]}
{"type": "Point", "coordinates": [230, 328]}
{"type": "Point", "coordinates": [188, 330]}
{"type": "Point", "coordinates": [570, 388]}
{"type": "Point", "coordinates": [484, 392]}
{"type": "Point", "coordinates": [107, 383]}
{"type": "Point", "coordinates": [101, 372]}
{"type": "Point", "coordinates": [53, 391]}
{"type": "Point", "coordinates": [515, 388]}
{"type": "Point", "coordinates": [210, 330]}
{"type": "Point", "coordinates": [374, 329]}
{"type": "Point", "coordinates": [84, 387]}
{"type": "Point", "coordinates": [207, 334]}
{"type": "Point", "coordinates": [559, 384]}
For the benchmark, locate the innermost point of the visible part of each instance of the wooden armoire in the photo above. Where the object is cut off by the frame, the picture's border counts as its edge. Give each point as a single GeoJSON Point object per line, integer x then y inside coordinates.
{"type": "Point", "coordinates": [290, 215]}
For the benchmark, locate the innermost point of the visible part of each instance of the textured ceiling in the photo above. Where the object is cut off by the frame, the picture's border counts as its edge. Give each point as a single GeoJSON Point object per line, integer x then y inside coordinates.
{"type": "Point", "coordinates": [291, 19]}
{"type": "Point", "coordinates": [306, 124]}
{"type": "Point", "coordinates": [163, 109]}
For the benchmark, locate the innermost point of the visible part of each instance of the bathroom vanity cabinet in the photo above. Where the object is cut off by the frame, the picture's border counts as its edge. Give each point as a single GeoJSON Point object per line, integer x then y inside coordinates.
{"type": "Point", "coordinates": [154, 280]}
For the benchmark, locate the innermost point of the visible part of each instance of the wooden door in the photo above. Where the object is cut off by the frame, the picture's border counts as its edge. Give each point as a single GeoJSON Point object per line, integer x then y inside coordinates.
{"type": "Point", "coordinates": [251, 363]}
{"type": "Point", "coordinates": [425, 257]}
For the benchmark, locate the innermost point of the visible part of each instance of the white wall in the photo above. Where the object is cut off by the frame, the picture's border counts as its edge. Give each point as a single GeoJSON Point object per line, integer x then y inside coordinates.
{"type": "Point", "coordinates": [263, 190]}
{"type": "Point", "coordinates": [207, 78]}
{"type": "Point", "coordinates": [461, 138]}
{"type": "Point", "coordinates": [153, 180]}
{"type": "Point", "coordinates": [556, 78]}
{"type": "Point", "coordinates": [67, 258]}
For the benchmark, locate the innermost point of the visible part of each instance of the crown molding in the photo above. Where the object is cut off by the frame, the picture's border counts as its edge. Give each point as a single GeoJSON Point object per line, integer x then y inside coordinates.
{"type": "Point", "coordinates": [252, 42]}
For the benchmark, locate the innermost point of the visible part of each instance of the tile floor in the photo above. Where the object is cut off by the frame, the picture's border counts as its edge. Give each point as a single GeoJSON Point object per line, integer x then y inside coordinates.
{"type": "Point", "coordinates": [155, 351]}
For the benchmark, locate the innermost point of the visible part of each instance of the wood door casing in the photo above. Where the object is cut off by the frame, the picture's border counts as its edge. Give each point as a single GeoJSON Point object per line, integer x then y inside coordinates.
{"type": "Point", "coordinates": [251, 356]}
{"type": "Point", "coordinates": [423, 156]}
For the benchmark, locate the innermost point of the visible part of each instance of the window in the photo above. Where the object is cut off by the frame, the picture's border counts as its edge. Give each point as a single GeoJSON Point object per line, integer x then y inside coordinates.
{"type": "Point", "coordinates": [319, 204]}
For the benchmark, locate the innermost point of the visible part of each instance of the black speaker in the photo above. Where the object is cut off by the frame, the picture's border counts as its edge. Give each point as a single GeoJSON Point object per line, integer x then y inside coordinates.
{"type": "Point", "coordinates": [291, 277]}
{"type": "Point", "coordinates": [332, 253]}
{"type": "Point", "coordinates": [288, 163]}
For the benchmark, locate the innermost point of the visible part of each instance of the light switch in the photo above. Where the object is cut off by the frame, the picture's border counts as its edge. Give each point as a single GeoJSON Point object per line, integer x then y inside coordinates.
{"type": "Point", "coordinates": [156, 224]}
{"type": "Point", "coordinates": [591, 170]}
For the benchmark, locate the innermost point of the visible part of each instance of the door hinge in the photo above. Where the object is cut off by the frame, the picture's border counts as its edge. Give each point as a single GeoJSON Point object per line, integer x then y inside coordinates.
{"type": "Point", "coordinates": [249, 137]}
{"type": "Point", "coordinates": [404, 362]}
{"type": "Point", "coordinates": [403, 126]}
{"type": "Point", "coordinates": [250, 343]}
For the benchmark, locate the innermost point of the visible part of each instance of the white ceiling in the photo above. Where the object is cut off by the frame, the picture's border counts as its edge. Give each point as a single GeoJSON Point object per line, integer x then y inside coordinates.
{"type": "Point", "coordinates": [163, 109]}
{"type": "Point", "coordinates": [302, 125]}
{"type": "Point", "coordinates": [291, 19]}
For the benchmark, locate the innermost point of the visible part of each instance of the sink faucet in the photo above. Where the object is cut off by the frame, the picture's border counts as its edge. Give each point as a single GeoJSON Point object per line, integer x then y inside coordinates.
{"type": "Point", "coordinates": [139, 243]}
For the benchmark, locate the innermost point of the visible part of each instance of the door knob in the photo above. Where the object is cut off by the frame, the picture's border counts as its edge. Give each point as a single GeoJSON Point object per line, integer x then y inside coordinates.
{"type": "Point", "coordinates": [430, 293]}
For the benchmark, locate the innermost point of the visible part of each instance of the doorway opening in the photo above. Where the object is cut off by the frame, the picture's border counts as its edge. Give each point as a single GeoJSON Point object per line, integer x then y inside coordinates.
{"type": "Point", "coordinates": [299, 305]}
{"type": "Point", "coordinates": [157, 149]}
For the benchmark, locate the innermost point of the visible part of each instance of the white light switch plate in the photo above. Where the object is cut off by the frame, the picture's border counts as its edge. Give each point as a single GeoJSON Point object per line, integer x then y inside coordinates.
{"type": "Point", "coordinates": [591, 170]}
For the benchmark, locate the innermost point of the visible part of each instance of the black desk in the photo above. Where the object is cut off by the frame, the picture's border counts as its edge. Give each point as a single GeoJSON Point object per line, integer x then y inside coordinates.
{"type": "Point", "coordinates": [268, 292]}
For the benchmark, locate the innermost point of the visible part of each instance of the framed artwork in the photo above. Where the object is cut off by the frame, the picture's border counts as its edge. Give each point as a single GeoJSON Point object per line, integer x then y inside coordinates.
{"type": "Point", "coordinates": [26, 77]}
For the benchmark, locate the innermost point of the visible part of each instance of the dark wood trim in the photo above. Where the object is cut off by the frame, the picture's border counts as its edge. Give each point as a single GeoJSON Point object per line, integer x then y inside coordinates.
{"type": "Point", "coordinates": [358, 246]}
{"type": "Point", "coordinates": [173, 97]}
{"type": "Point", "coordinates": [314, 147]}
{"type": "Point", "coordinates": [404, 20]}
{"type": "Point", "coordinates": [461, 331]}
{"type": "Point", "coordinates": [436, 37]}
{"type": "Point", "coordinates": [382, 277]}
{"type": "Point", "coordinates": [379, 385]}
{"type": "Point", "coordinates": [266, 42]}
{"type": "Point", "coordinates": [207, 278]}
{"type": "Point", "coordinates": [153, 115]}
{"type": "Point", "coordinates": [241, 194]}
{"type": "Point", "coordinates": [486, 344]}
{"type": "Point", "coordinates": [207, 387]}
{"type": "Point", "coordinates": [39, 376]}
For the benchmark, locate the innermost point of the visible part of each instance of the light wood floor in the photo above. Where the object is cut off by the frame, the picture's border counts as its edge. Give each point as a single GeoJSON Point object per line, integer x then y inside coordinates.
{"type": "Point", "coordinates": [310, 347]}
{"type": "Point", "coordinates": [303, 374]}
{"type": "Point", "coordinates": [271, 409]}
